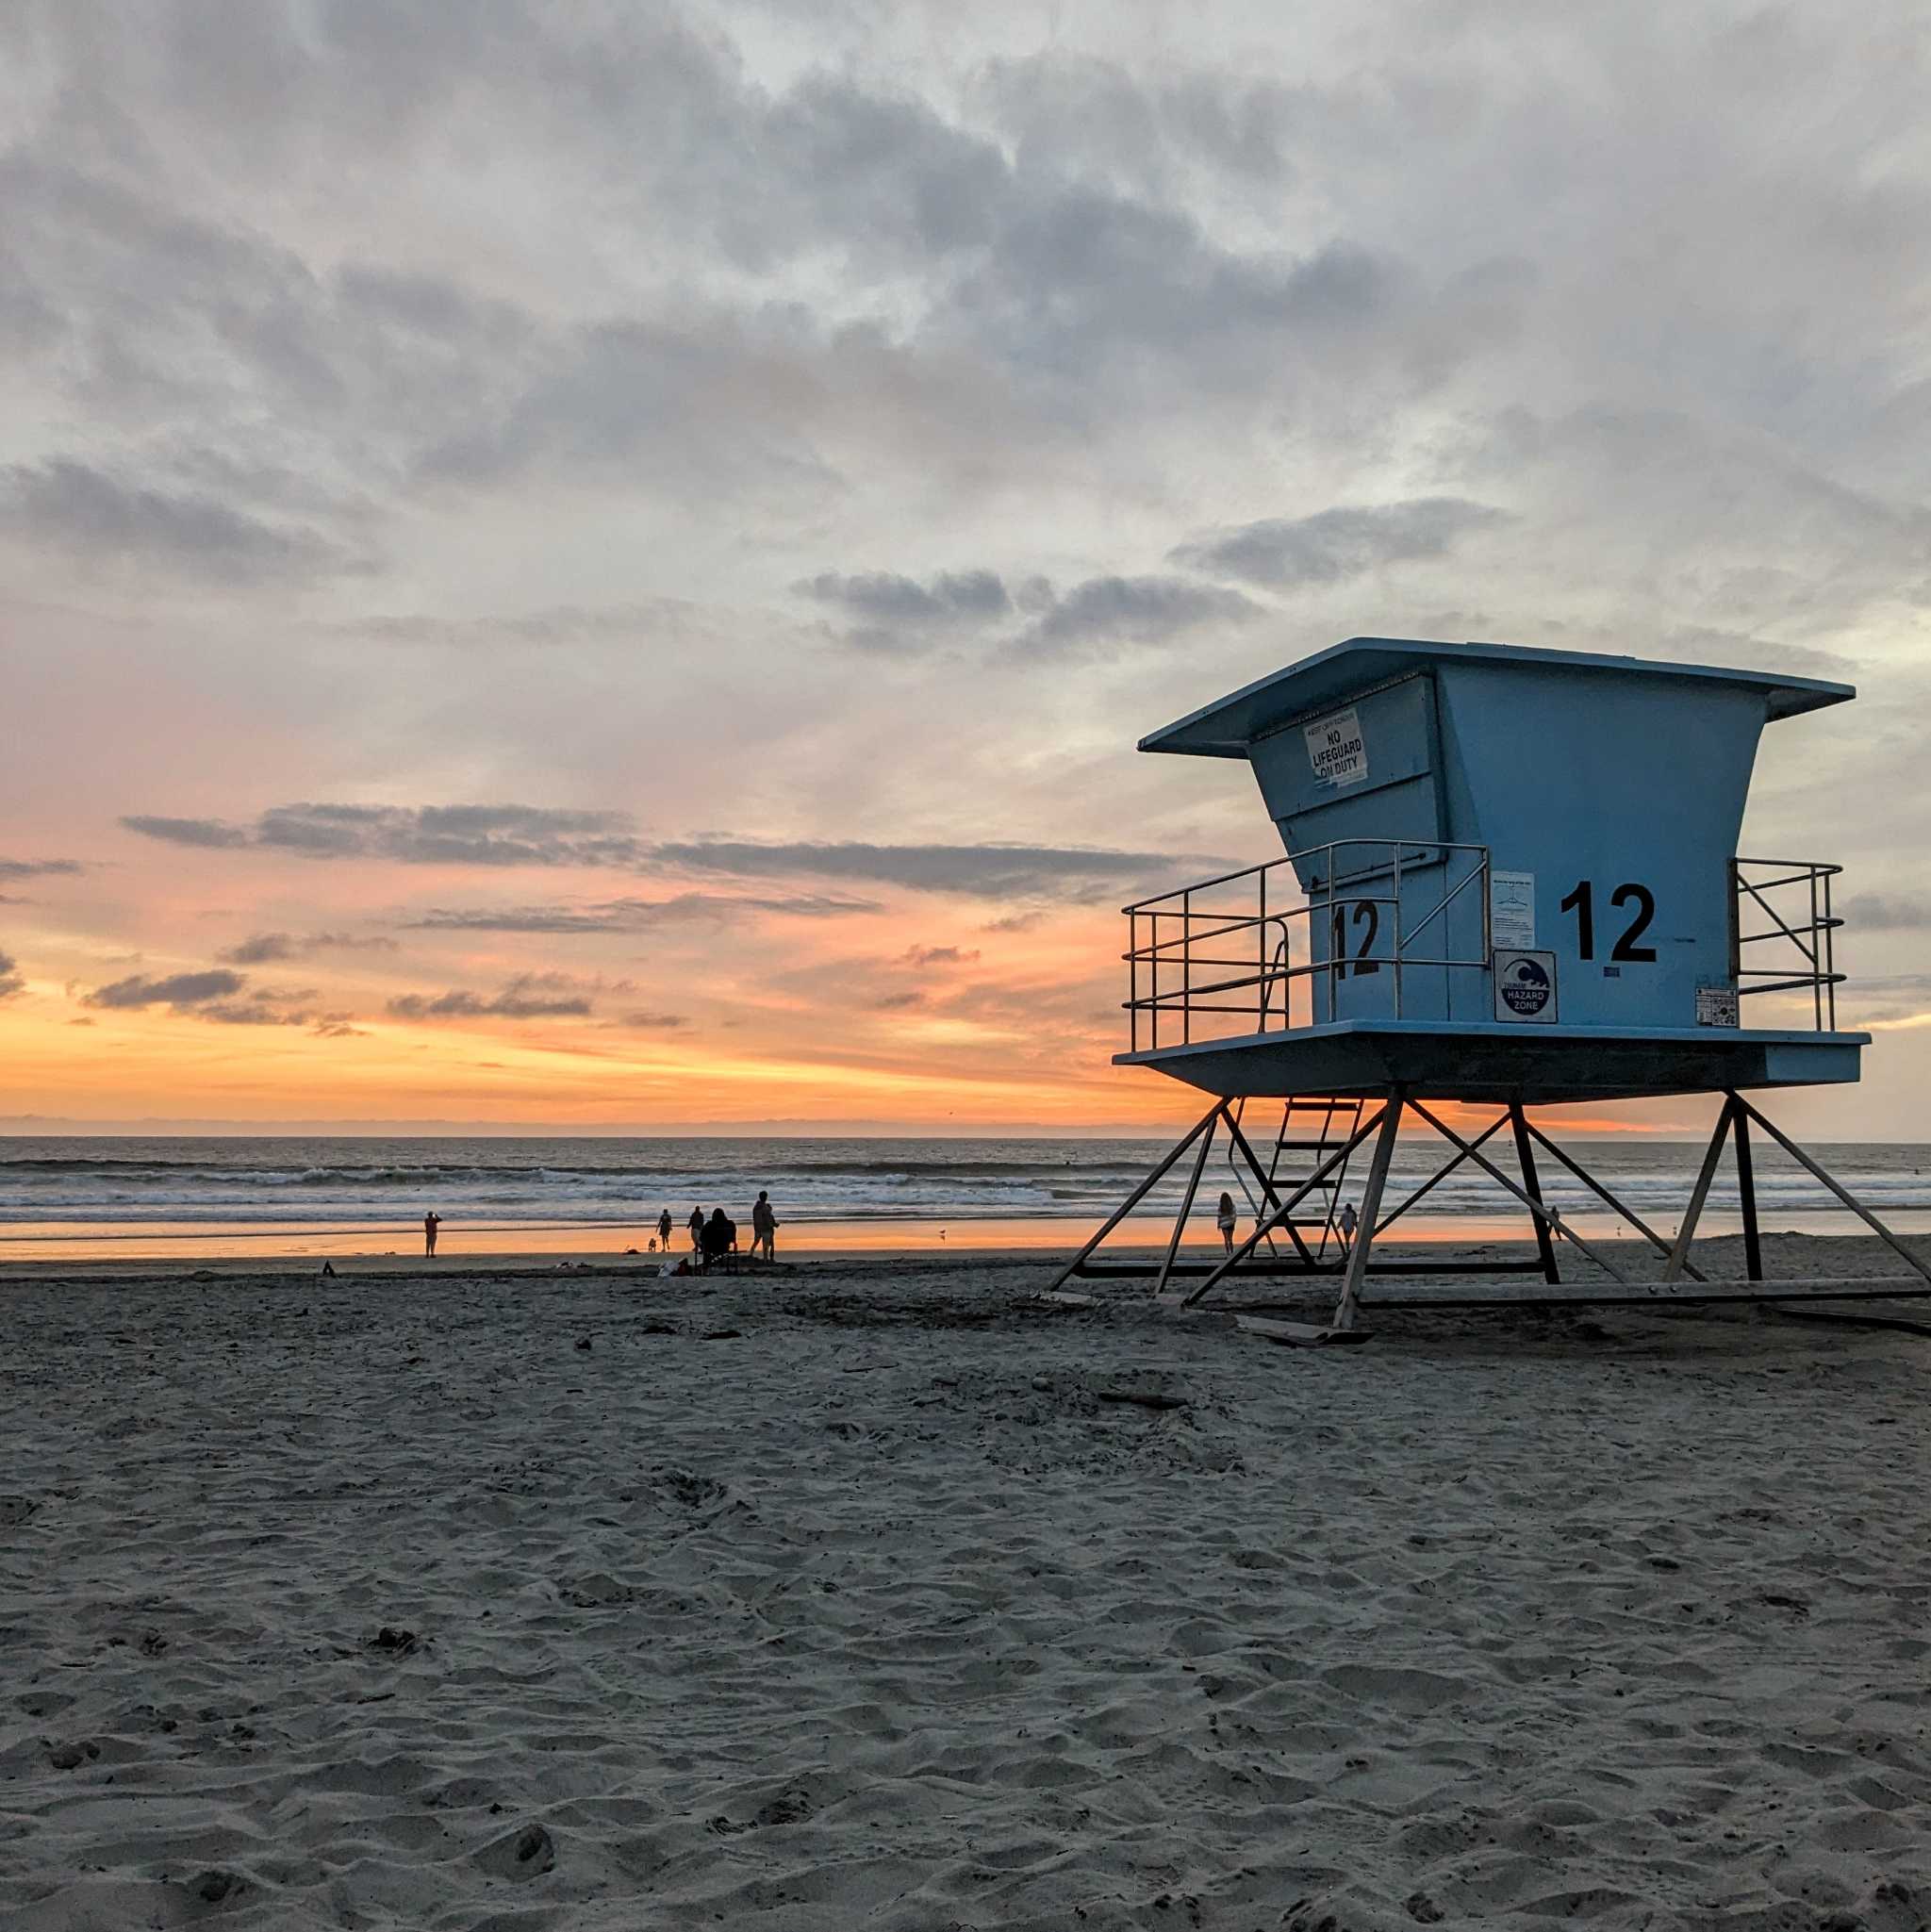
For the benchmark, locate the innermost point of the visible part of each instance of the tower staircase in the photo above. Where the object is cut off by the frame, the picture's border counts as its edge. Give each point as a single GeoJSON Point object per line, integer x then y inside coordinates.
{"type": "Point", "coordinates": [1311, 1130]}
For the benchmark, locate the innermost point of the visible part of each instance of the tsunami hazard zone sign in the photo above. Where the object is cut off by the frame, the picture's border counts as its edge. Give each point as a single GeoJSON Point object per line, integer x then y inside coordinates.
{"type": "Point", "coordinates": [1526, 987]}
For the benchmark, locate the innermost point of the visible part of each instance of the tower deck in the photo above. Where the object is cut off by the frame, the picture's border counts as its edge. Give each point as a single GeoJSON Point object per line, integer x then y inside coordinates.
{"type": "Point", "coordinates": [1473, 1061]}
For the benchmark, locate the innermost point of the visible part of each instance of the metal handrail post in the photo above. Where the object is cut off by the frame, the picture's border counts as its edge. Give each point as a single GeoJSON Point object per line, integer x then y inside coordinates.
{"type": "Point", "coordinates": [1817, 988]}
{"type": "Point", "coordinates": [1831, 952]}
{"type": "Point", "coordinates": [1398, 929]}
{"type": "Point", "coordinates": [1154, 971]}
{"type": "Point", "coordinates": [1186, 967]}
{"type": "Point", "coordinates": [1261, 956]}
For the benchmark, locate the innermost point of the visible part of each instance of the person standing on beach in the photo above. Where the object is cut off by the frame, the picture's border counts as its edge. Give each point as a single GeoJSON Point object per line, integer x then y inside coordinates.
{"type": "Point", "coordinates": [1223, 1220]}
{"type": "Point", "coordinates": [1350, 1222]}
{"type": "Point", "coordinates": [664, 1230]}
{"type": "Point", "coordinates": [431, 1222]}
{"type": "Point", "coordinates": [764, 1229]}
{"type": "Point", "coordinates": [697, 1230]}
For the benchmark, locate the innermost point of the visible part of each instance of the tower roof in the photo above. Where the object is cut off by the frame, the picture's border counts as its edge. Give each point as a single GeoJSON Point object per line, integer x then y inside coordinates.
{"type": "Point", "coordinates": [1226, 727]}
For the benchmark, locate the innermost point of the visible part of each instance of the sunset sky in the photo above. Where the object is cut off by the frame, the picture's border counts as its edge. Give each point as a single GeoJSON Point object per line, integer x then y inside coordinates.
{"type": "Point", "coordinates": [594, 564]}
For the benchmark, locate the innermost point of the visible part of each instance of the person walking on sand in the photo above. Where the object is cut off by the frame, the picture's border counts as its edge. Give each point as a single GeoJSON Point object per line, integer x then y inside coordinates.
{"type": "Point", "coordinates": [664, 1230]}
{"type": "Point", "coordinates": [1350, 1222]}
{"type": "Point", "coordinates": [1223, 1220]}
{"type": "Point", "coordinates": [764, 1229]}
{"type": "Point", "coordinates": [431, 1222]}
{"type": "Point", "coordinates": [696, 1225]}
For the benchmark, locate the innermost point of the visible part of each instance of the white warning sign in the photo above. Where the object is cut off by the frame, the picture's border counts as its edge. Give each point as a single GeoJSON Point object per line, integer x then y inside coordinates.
{"type": "Point", "coordinates": [1716, 1006]}
{"type": "Point", "coordinates": [1336, 748]}
{"type": "Point", "coordinates": [1512, 910]}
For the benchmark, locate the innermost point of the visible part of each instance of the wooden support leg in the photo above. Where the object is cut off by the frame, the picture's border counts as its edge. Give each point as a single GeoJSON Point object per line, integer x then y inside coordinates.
{"type": "Point", "coordinates": [1747, 1190]}
{"type": "Point", "coordinates": [1261, 1229]}
{"type": "Point", "coordinates": [1532, 1183]}
{"type": "Point", "coordinates": [1679, 1254]}
{"type": "Point", "coordinates": [1370, 1212]}
{"type": "Point", "coordinates": [1555, 1222]}
{"type": "Point", "coordinates": [1138, 1195]}
{"type": "Point", "coordinates": [1843, 1193]}
{"type": "Point", "coordinates": [1602, 1194]}
{"type": "Point", "coordinates": [1179, 1220]}
{"type": "Point", "coordinates": [1441, 1174]}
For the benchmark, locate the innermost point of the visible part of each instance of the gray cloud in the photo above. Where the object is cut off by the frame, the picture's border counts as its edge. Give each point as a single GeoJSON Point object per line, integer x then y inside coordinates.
{"type": "Point", "coordinates": [177, 990]}
{"type": "Point", "coordinates": [997, 871]}
{"type": "Point", "coordinates": [422, 836]}
{"type": "Point", "coordinates": [91, 513]}
{"type": "Point", "coordinates": [899, 614]}
{"type": "Point", "coordinates": [1151, 130]}
{"type": "Point", "coordinates": [1336, 544]}
{"type": "Point", "coordinates": [965, 596]}
{"type": "Point", "coordinates": [973, 270]}
{"type": "Point", "coordinates": [893, 611]}
{"type": "Point", "coordinates": [529, 996]}
{"type": "Point", "coordinates": [1134, 610]}
{"type": "Point", "coordinates": [37, 869]}
{"type": "Point", "coordinates": [493, 836]}
{"type": "Point", "coordinates": [11, 980]}
{"type": "Point", "coordinates": [1879, 998]}
{"type": "Point", "coordinates": [936, 955]}
{"type": "Point", "coordinates": [636, 914]}
{"type": "Point", "coordinates": [1885, 912]}
{"type": "Point", "coordinates": [897, 1002]}
{"type": "Point", "coordinates": [261, 948]}
{"type": "Point", "coordinates": [259, 1010]}
{"type": "Point", "coordinates": [657, 1022]}
{"type": "Point", "coordinates": [208, 834]}
{"type": "Point", "coordinates": [561, 624]}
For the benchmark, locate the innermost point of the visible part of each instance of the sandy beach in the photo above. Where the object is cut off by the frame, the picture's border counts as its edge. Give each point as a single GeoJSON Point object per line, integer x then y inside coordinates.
{"type": "Point", "coordinates": [874, 1594]}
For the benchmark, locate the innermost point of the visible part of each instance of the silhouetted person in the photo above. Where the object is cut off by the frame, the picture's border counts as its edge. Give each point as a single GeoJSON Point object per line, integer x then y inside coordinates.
{"type": "Point", "coordinates": [764, 1228]}
{"type": "Point", "coordinates": [664, 1230]}
{"type": "Point", "coordinates": [1350, 1222]}
{"type": "Point", "coordinates": [1223, 1220]}
{"type": "Point", "coordinates": [696, 1225]}
{"type": "Point", "coordinates": [717, 1237]}
{"type": "Point", "coordinates": [430, 1224]}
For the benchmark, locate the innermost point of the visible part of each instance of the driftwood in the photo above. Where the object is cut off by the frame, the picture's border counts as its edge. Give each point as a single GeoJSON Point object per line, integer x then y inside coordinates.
{"type": "Point", "coordinates": [1140, 1400]}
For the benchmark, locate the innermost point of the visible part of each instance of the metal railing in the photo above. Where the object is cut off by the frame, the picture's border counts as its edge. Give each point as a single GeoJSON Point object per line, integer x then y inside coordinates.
{"type": "Point", "coordinates": [1244, 946]}
{"type": "Point", "coordinates": [1794, 896]}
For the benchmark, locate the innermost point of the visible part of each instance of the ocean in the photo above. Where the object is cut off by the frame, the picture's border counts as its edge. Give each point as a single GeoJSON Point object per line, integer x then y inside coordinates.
{"type": "Point", "coordinates": [133, 1196]}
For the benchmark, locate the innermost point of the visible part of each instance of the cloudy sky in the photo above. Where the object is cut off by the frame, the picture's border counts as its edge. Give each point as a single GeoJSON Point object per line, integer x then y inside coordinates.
{"type": "Point", "coordinates": [575, 562]}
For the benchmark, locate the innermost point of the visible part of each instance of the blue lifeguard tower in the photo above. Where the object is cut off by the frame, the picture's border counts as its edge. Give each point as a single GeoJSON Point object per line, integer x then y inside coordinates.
{"type": "Point", "coordinates": [1511, 879]}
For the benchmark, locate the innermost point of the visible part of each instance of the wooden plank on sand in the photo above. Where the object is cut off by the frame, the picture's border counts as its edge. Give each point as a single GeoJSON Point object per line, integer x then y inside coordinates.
{"type": "Point", "coordinates": [1296, 1334]}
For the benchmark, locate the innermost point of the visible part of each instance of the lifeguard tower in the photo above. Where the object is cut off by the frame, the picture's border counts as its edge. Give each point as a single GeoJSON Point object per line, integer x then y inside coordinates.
{"type": "Point", "coordinates": [1510, 881]}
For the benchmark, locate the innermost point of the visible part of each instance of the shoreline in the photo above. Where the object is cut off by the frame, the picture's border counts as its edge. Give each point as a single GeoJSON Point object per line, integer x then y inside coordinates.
{"type": "Point", "coordinates": [1845, 1255]}
{"type": "Point", "coordinates": [274, 1244]}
